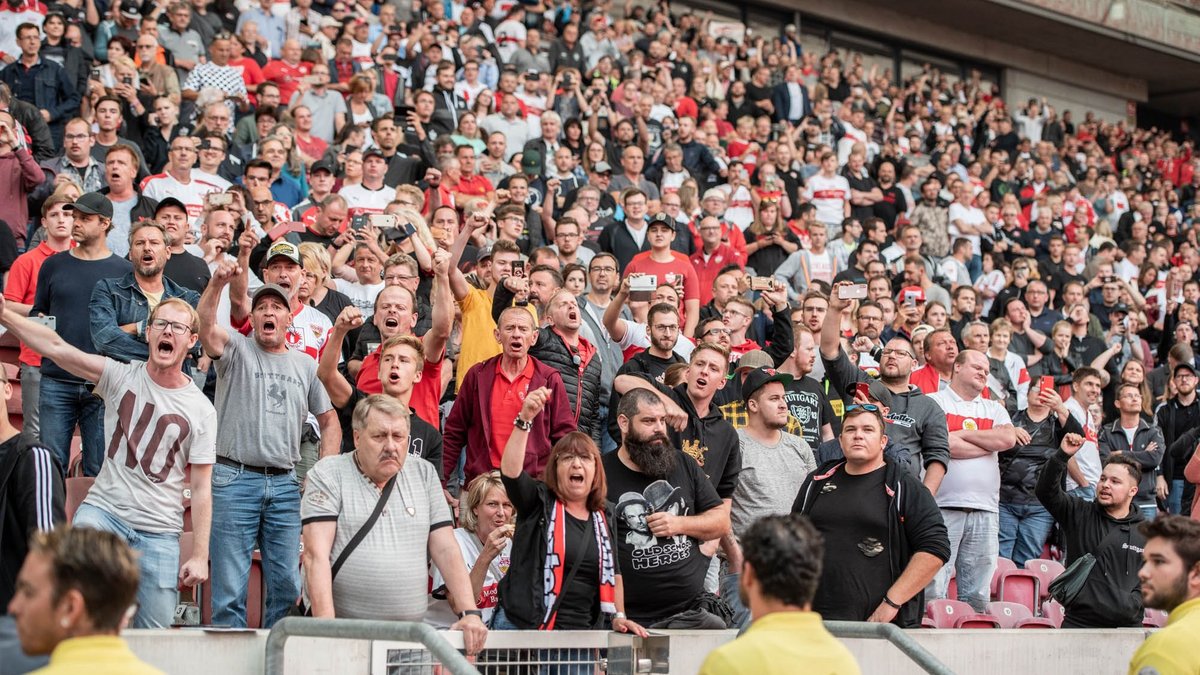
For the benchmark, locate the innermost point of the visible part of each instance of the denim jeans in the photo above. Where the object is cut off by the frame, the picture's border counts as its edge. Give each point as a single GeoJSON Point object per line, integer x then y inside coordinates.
{"type": "Point", "coordinates": [65, 404]}
{"type": "Point", "coordinates": [975, 267]}
{"type": "Point", "coordinates": [31, 382]}
{"type": "Point", "coordinates": [158, 564]}
{"type": "Point", "coordinates": [1024, 529]}
{"type": "Point", "coordinates": [252, 510]}
{"type": "Point", "coordinates": [1149, 511]}
{"type": "Point", "coordinates": [974, 545]}
{"type": "Point", "coordinates": [730, 582]}
{"type": "Point", "coordinates": [1087, 493]}
{"type": "Point", "coordinates": [1174, 496]}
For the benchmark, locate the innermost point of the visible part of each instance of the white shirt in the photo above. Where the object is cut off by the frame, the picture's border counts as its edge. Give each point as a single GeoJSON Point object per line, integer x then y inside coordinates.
{"type": "Point", "coordinates": [1087, 459]}
{"type": "Point", "coordinates": [969, 215]}
{"type": "Point", "coordinates": [971, 483]}
{"type": "Point", "coordinates": [163, 185]}
{"type": "Point", "coordinates": [829, 195]}
{"type": "Point", "coordinates": [636, 336]}
{"type": "Point", "coordinates": [363, 200]}
{"type": "Point", "coordinates": [362, 295]}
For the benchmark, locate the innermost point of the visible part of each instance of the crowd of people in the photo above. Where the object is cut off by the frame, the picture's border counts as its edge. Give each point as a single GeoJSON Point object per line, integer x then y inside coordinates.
{"type": "Point", "coordinates": [528, 315]}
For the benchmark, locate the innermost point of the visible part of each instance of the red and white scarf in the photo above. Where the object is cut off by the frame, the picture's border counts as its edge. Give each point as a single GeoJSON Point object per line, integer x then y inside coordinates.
{"type": "Point", "coordinates": [556, 564]}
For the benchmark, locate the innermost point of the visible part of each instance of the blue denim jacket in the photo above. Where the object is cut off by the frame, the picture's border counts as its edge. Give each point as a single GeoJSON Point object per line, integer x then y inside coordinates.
{"type": "Point", "coordinates": [118, 301]}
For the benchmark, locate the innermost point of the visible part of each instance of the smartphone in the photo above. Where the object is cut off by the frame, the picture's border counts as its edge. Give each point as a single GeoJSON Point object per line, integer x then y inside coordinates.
{"type": "Point", "coordinates": [858, 292]}
{"type": "Point", "coordinates": [1046, 382]}
{"type": "Point", "coordinates": [862, 390]}
{"type": "Point", "coordinates": [127, 80]}
{"type": "Point", "coordinates": [762, 283]}
{"type": "Point", "coordinates": [518, 269]}
{"type": "Point", "coordinates": [382, 220]}
{"type": "Point", "coordinates": [641, 288]}
{"type": "Point", "coordinates": [95, 73]}
{"type": "Point", "coordinates": [395, 235]}
{"type": "Point", "coordinates": [219, 199]}
{"type": "Point", "coordinates": [47, 321]}
{"type": "Point", "coordinates": [357, 222]}
{"type": "Point", "coordinates": [910, 299]}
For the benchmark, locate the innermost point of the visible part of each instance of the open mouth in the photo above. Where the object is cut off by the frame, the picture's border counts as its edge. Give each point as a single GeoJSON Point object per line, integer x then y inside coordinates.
{"type": "Point", "coordinates": [268, 326]}
{"type": "Point", "coordinates": [393, 378]}
{"type": "Point", "coordinates": [391, 322]}
{"type": "Point", "coordinates": [165, 347]}
{"type": "Point", "coordinates": [148, 259]}
{"type": "Point", "coordinates": [576, 478]}
{"type": "Point", "coordinates": [573, 315]}
{"type": "Point", "coordinates": [701, 382]}
{"type": "Point", "coordinates": [516, 345]}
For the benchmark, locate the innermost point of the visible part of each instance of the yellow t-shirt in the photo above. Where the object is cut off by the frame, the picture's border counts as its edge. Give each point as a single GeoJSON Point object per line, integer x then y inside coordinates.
{"type": "Point", "coordinates": [1172, 650]}
{"type": "Point", "coordinates": [776, 643]}
{"type": "Point", "coordinates": [478, 332]}
{"type": "Point", "coordinates": [95, 655]}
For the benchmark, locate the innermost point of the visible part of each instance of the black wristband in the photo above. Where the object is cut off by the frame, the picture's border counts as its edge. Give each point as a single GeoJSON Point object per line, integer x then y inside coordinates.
{"type": "Point", "coordinates": [476, 612]}
{"type": "Point", "coordinates": [889, 602]}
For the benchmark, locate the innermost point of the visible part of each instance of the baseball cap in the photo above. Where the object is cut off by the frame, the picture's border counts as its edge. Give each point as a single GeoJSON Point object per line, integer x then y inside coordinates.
{"type": "Point", "coordinates": [759, 377]}
{"type": "Point", "coordinates": [283, 248]}
{"type": "Point", "coordinates": [661, 220]}
{"type": "Point", "coordinates": [130, 12]}
{"type": "Point", "coordinates": [915, 290]}
{"type": "Point", "coordinates": [531, 161]}
{"type": "Point", "coordinates": [322, 165]}
{"type": "Point", "coordinates": [373, 151]}
{"type": "Point", "coordinates": [1120, 308]}
{"type": "Point", "coordinates": [755, 358]}
{"type": "Point", "coordinates": [484, 253]}
{"type": "Point", "coordinates": [330, 22]}
{"type": "Point", "coordinates": [601, 167]}
{"type": "Point", "coordinates": [269, 289]}
{"type": "Point", "coordinates": [169, 201]}
{"type": "Point", "coordinates": [714, 193]}
{"type": "Point", "coordinates": [92, 203]}
{"type": "Point", "coordinates": [1184, 366]}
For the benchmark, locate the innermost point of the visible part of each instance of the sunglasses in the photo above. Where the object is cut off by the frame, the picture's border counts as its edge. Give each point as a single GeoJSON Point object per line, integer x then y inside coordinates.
{"type": "Point", "coordinates": [869, 407]}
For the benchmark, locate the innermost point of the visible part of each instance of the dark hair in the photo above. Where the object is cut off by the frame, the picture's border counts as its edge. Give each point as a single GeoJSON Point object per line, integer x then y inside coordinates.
{"type": "Point", "coordinates": [786, 554]}
{"type": "Point", "coordinates": [633, 400]}
{"type": "Point", "coordinates": [1130, 464]}
{"type": "Point", "coordinates": [98, 564]}
{"type": "Point", "coordinates": [577, 444]}
{"type": "Point", "coordinates": [1181, 531]}
{"type": "Point", "coordinates": [554, 274]}
{"type": "Point", "coordinates": [1086, 371]}
{"type": "Point", "coordinates": [257, 164]}
{"type": "Point", "coordinates": [660, 308]}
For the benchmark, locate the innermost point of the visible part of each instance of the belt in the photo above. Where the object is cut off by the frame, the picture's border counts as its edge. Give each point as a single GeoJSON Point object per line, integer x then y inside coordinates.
{"type": "Point", "coordinates": [266, 470]}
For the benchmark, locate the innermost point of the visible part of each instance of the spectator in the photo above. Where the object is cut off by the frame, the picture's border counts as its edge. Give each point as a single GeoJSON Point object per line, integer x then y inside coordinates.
{"type": "Point", "coordinates": [668, 266]}
{"type": "Point", "coordinates": [979, 429]}
{"type": "Point", "coordinates": [1025, 525]}
{"type": "Point", "coordinates": [772, 460]}
{"type": "Point", "coordinates": [177, 180]}
{"type": "Point", "coordinates": [1169, 583]}
{"type": "Point", "coordinates": [1105, 529]}
{"type": "Point", "coordinates": [941, 351]}
{"type": "Point", "coordinates": [664, 504]}
{"type": "Point", "coordinates": [177, 37]}
{"type": "Point", "coordinates": [77, 585]}
{"type": "Point", "coordinates": [811, 264]}
{"type": "Point", "coordinates": [182, 267]}
{"type": "Point", "coordinates": [75, 163]}
{"type": "Point", "coordinates": [491, 391]}
{"type": "Point", "coordinates": [120, 306]}
{"type": "Point", "coordinates": [64, 282]}
{"type": "Point", "coordinates": [858, 587]}
{"type": "Point", "coordinates": [805, 396]}
{"type": "Point", "coordinates": [1132, 437]}
{"type": "Point", "coordinates": [572, 495]}
{"type": "Point", "coordinates": [256, 457]}
{"type": "Point", "coordinates": [139, 497]}
{"type": "Point", "coordinates": [22, 177]}
{"type": "Point", "coordinates": [1175, 418]}
{"type": "Point", "coordinates": [219, 74]}
{"type": "Point", "coordinates": [121, 167]}
{"type": "Point", "coordinates": [42, 82]}
{"type": "Point", "coordinates": [625, 239]}
{"type": "Point", "coordinates": [782, 565]}
{"type": "Point", "coordinates": [335, 506]}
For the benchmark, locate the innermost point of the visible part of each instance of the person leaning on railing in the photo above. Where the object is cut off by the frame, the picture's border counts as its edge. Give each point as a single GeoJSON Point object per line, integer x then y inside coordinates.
{"type": "Point", "coordinates": [574, 585]}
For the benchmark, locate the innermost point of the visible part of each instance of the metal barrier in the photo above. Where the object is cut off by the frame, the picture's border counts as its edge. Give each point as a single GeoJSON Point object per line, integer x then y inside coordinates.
{"type": "Point", "coordinates": [447, 657]}
{"type": "Point", "coordinates": [524, 652]}
{"type": "Point", "coordinates": [893, 634]}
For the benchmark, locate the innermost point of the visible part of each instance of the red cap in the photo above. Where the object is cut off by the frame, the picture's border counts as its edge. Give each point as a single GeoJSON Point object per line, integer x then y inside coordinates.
{"type": "Point", "coordinates": [915, 291]}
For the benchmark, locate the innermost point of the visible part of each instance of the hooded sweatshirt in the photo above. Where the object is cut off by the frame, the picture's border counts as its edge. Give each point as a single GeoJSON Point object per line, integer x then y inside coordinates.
{"type": "Point", "coordinates": [1111, 597]}
{"type": "Point", "coordinates": [709, 440]}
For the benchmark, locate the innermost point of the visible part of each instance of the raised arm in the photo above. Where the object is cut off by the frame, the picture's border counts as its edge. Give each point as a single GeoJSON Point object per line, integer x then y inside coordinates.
{"type": "Point", "coordinates": [336, 385]}
{"type": "Point", "coordinates": [214, 336]}
{"type": "Point", "coordinates": [613, 322]}
{"type": "Point", "coordinates": [239, 285]}
{"type": "Point", "coordinates": [442, 319]}
{"type": "Point", "coordinates": [1049, 489]}
{"type": "Point", "coordinates": [831, 330]}
{"type": "Point", "coordinates": [46, 342]}
{"type": "Point", "coordinates": [458, 282]}
{"type": "Point", "coordinates": [512, 463]}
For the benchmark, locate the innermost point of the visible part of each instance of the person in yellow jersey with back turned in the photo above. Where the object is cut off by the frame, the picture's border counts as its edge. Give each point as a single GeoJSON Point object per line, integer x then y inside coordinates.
{"type": "Point", "coordinates": [782, 557]}
{"type": "Point", "coordinates": [1170, 579]}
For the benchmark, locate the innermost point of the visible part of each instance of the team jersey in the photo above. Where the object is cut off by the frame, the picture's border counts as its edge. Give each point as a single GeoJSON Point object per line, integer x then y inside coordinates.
{"type": "Point", "coordinates": [971, 483]}
{"type": "Point", "coordinates": [363, 200]}
{"type": "Point", "coordinates": [163, 185]}
{"type": "Point", "coordinates": [829, 195]}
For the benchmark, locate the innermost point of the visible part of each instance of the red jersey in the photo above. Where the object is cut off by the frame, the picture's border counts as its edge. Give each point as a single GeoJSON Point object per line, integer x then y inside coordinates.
{"type": "Point", "coordinates": [678, 270]}
{"type": "Point", "coordinates": [425, 393]}
{"type": "Point", "coordinates": [286, 76]}
{"type": "Point", "coordinates": [706, 271]}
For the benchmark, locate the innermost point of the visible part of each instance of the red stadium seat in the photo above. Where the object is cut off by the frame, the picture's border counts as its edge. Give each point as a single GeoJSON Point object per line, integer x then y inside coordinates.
{"type": "Point", "coordinates": [1154, 618]}
{"type": "Point", "coordinates": [946, 613]}
{"type": "Point", "coordinates": [1020, 586]}
{"type": "Point", "coordinates": [977, 621]}
{"type": "Point", "coordinates": [1046, 571]}
{"type": "Point", "coordinates": [255, 596]}
{"type": "Point", "coordinates": [1053, 612]}
{"type": "Point", "coordinates": [1013, 615]}
{"type": "Point", "coordinates": [952, 587]}
{"type": "Point", "coordinates": [77, 489]}
{"type": "Point", "coordinates": [75, 465]}
{"type": "Point", "coordinates": [1002, 565]}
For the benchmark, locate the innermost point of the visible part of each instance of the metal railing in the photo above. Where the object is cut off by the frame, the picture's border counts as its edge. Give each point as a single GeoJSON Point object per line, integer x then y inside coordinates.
{"type": "Point", "coordinates": [447, 657]}
{"type": "Point", "coordinates": [893, 634]}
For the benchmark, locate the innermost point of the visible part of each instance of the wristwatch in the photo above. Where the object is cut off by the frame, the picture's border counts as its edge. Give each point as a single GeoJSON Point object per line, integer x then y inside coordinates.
{"type": "Point", "coordinates": [620, 615]}
{"type": "Point", "coordinates": [476, 612]}
{"type": "Point", "coordinates": [522, 424]}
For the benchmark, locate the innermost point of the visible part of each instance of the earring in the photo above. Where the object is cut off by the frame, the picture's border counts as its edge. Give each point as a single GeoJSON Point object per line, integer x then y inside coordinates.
{"type": "Point", "coordinates": [64, 623]}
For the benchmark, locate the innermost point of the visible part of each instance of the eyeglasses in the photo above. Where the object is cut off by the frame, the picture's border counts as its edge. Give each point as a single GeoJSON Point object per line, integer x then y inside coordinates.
{"type": "Point", "coordinates": [718, 331]}
{"type": "Point", "coordinates": [604, 269]}
{"type": "Point", "coordinates": [897, 352]}
{"type": "Point", "coordinates": [77, 137]}
{"type": "Point", "coordinates": [666, 328]}
{"type": "Point", "coordinates": [176, 327]}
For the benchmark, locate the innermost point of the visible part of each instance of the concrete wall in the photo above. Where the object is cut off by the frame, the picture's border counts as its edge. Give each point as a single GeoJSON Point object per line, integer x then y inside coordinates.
{"type": "Point", "coordinates": [970, 652]}
{"type": "Point", "coordinates": [1020, 86]}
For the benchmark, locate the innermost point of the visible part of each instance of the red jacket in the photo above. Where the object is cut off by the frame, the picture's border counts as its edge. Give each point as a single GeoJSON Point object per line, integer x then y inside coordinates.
{"type": "Point", "coordinates": [706, 272]}
{"type": "Point", "coordinates": [469, 424]}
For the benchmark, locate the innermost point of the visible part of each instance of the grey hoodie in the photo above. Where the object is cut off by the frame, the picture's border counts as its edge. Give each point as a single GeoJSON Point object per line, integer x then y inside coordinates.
{"type": "Point", "coordinates": [916, 425]}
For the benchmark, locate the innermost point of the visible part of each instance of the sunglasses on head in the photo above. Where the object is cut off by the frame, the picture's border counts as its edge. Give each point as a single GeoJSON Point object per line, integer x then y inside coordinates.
{"type": "Point", "coordinates": [869, 407]}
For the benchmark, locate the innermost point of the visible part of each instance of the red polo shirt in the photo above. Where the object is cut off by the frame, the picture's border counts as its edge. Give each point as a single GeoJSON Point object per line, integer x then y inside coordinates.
{"type": "Point", "coordinates": [507, 398]}
{"type": "Point", "coordinates": [425, 393]}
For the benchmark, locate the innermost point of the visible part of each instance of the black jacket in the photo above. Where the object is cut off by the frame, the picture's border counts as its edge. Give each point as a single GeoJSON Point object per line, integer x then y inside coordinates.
{"type": "Point", "coordinates": [144, 208]}
{"type": "Point", "coordinates": [32, 498]}
{"type": "Point", "coordinates": [615, 239]}
{"type": "Point", "coordinates": [710, 440]}
{"type": "Point", "coordinates": [583, 388]}
{"type": "Point", "coordinates": [1112, 439]}
{"type": "Point", "coordinates": [915, 524]}
{"type": "Point", "coordinates": [1111, 597]}
{"type": "Point", "coordinates": [1019, 467]}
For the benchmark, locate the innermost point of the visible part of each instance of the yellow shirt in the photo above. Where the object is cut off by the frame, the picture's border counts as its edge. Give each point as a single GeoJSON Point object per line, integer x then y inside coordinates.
{"type": "Point", "coordinates": [95, 655]}
{"type": "Point", "coordinates": [776, 643]}
{"type": "Point", "coordinates": [1172, 650]}
{"type": "Point", "coordinates": [478, 332]}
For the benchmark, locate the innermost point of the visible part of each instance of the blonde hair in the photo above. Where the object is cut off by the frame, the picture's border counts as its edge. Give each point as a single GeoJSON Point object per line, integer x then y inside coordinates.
{"type": "Point", "coordinates": [315, 259]}
{"type": "Point", "coordinates": [477, 491]}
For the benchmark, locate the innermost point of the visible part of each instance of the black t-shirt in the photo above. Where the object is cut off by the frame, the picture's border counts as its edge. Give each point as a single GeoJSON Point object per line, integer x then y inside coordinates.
{"type": "Point", "coordinates": [808, 404]}
{"type": "Point", "coordinates": [64, 291]}
{"type": "Point", "coordinates": [640, 363]}
{"type": "Point", "coordinates": [188, 271]}
{"type": "Point", "coordinates": [580, 606]}
{"type": "Point", "coordinates": [852, 515]}
{"type": "Point", "coordinates": [862, 184]}
{"type": "Point", "coordinates": [424, 440]}
{"type": "Point", "coordinates": [663, 576]}
{"type": "Point", "coordinates": [755, 94]}
{"type": "Point", "coordinates": [893, 204]}
{"type": "Point", "coordinates": [766, 259]}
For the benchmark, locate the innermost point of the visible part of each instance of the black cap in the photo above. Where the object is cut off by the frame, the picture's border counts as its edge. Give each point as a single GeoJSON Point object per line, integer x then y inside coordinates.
{"type": "Point", "coordinates": [324, 165]}
{"type": "Point", "coordinates": [662, 220]}
{"type": "Point", "coordinates": [269, 289]}
{"type": "Point", "coordinates": [373, 151]}
{"type": "Point", "coordinates": [1184, 366]}
{"type": "Point", "coordinates": [1120, 308]}
{"type": "Point", "coordinates": [759, 377]}
{"type": "Point", "coordinates": [169, 201]}
{"type": "Point", "coordinates": [92, 203]}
